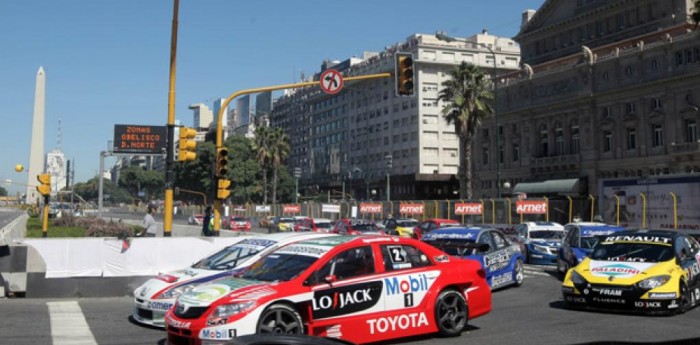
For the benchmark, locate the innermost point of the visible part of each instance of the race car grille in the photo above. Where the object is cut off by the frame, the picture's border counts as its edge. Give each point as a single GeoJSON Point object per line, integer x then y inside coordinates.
{"type": "Point", "coordinates": [179, 340]}
{"type": "Point", "coordinates": [145, 314]}
{"type": "Point", "coordinates": [191, 313]}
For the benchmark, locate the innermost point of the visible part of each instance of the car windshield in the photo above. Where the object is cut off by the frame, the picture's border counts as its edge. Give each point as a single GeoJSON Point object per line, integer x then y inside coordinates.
{"type": "Point", "coordinates": [632, 252]}
{"type": "Point", "coordinates": [324, 225]}
{"type": "Point", "coordinates": [588, 242]}
{"type": "Point", "coordinates": [456, 247]}
{"type": "Point", "coordinates": [365, 227]}
{"type": "Point", "coordinates": [239, 219]}
{"type": "Point", "coordinates": [279, 267]}
{"type": "Point", "coordinates": [286, 220]}
{"type": "Point", "coordinates": [229, 257]}
{"type": "Point", "coordinates": [547, 234]}
{"type": "Point", "coordinates": [407, 223]}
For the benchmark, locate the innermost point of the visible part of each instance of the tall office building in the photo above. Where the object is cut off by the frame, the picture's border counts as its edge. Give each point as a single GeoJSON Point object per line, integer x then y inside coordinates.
{"type": "Point", "coordinates": [36, 146]}
{"type": "Point", "coordinates": [203, 116]}
{"type": "Point", "coordinates": [56, 167]}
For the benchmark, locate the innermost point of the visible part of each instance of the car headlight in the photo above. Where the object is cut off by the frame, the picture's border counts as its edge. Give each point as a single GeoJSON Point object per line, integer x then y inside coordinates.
{"type": "Point", "coordinates": [227, 310]}
{"type": "Point", "coordinates": [176, 291]}
{"type": "Point", "coordinates": [653, 282]}
{"type": "Point", "coordinates": [541, 249]}
{"type": "Point", "coordinates": [576, 278]}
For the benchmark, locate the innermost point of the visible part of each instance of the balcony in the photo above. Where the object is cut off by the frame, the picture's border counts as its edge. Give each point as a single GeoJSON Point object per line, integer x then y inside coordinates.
{"type": "Point", "coordinates": [554, 160]}
{"type": "Point", "coordinates": [685, 148]}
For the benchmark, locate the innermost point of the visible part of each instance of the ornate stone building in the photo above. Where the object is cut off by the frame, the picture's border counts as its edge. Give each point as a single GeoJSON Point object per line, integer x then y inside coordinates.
{"type": "Point", "coordinates": [607, 89]}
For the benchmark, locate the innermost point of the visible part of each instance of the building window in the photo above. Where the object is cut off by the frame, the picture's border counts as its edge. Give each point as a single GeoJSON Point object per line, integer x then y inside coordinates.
{"type": "Point", "coordinates": [691, 131]}
{"type": "Point", "coordinates": [631, 138]}
{"type": "Point", "coordinates": [656, 104]}
{"type": "Point", "coordinates": [575, 140]}
{"type": "Point", "coordinates": [607, 141]}
{"type": "Point", "coordinates": [629, 70]}
{"type": "Point", "coordinates": [654, 65]}
{"type": "Point", "coordinates": [485, 156]}
{"type": "Point", "coordinates": [544, 141]}
{"type": "Point", "coordinates": [657, 136]}
{"type": "Point", "coordinates": [516, 152]}
{"type": "Point", "coordinates": [631, 108]}
{"type": "Point", "coordinates": [607, 112]}
{"type": "Point", "coordinates": [500, 154]}
{"type": "Point", "coordinates": [606, 75]}
{"type": "Point", "coordinates": [559, 139]}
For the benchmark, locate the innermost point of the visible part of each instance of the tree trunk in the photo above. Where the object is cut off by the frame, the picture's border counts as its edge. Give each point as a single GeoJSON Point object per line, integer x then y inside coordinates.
{"type": "Point", "coordinates": [274, 186]}
{"type": "Point", "coordinates": [462, 173]}
{"type": "Point", "coordinates": [264, 173]}
{"type": "Point", "coordinates": [468, 168]}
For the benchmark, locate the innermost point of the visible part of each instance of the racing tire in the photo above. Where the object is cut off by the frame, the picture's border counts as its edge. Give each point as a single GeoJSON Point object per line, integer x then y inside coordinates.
{"type": "Point", "coordinates": [451, 313]}
{"type": "Point", "coordinates": [684, 300]}
{"type": "Point", "coordinates": [280, 319]}
{"type": "Point", "coordinates": [518, 273]}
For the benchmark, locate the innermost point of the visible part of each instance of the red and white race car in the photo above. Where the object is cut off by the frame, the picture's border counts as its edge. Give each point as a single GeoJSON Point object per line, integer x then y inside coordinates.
{"type": "Point", "coordinates": [358, 288]}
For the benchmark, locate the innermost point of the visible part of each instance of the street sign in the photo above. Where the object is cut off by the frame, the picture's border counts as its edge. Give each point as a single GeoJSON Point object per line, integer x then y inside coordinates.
{"type": "Point", "coordinates": [139, 139]}
{"type": "Point", "coordinates": [331, 81]}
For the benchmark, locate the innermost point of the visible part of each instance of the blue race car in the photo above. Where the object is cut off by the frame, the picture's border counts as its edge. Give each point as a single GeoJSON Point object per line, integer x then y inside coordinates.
{"type": "Point", "coordinates": [539, 241]}
{"type": "Point", "coordinates": [579, 241]}
{"type": "Point", "coordinates": [502, 260]}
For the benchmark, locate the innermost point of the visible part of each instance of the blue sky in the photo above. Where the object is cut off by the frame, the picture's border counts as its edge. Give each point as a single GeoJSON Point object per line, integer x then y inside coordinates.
{"type": "Point", "coordinates": [107, 61]}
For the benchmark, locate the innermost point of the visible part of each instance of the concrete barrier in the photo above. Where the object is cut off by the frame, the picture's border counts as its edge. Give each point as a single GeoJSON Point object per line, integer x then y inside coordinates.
{"type": "Point", "coordinates": [23, 269]}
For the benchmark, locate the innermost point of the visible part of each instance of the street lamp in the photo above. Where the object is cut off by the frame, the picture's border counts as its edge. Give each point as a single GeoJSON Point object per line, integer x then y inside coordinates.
{"type": "Point", "coordinates": [389, 164]}
{"type": "Point", "coordinates": [506, 185]}
{"type": "Point", "coordinates": [443, 37]}
{"type": "Point", "coordinates": [297, 175]}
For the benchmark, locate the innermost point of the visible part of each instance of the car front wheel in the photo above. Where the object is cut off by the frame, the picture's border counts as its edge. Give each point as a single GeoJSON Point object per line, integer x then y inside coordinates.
{"type": "Point", "coordinates": [518, 273]}
{"type": "Point", "coordinates": [451, 313]}
{"type": "Point", "coordinates": [684, 300]}
{"type": "Point", "coordinates": [280, 319]}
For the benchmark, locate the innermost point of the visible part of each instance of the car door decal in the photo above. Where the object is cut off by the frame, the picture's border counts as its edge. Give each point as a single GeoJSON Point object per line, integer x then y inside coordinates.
{"type": "Point", "coordinates": [347, 299]}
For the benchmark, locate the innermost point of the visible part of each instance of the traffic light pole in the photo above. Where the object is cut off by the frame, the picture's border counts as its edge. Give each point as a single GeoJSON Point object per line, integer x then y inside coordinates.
{"type": "Point", "coordinates": [45, 218]}
{"type": "Point", "coordinates": [220, 117]}
{"type": "Point", "coordinates": [170, 148]}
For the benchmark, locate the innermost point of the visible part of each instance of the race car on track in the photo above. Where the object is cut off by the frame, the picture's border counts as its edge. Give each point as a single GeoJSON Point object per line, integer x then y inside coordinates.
{"type": "Point", "coordinates": [579, 241]}
{"type": "Point", "coordinates": [501, 259]}
{"type": "Point", "coordinates": [357, 288]}
{"type": "Point", "coordinates": [399, 226]}
{"type": "Point", "coordinates": [654, 271]}
{"type": "Point", "coordinates": [154, 297]}
{"type": "Point", "coordinates": [539, 241]}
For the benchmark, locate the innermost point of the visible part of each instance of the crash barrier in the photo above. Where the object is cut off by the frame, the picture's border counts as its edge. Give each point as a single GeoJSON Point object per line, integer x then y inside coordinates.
{"type": "Point", "coordinates": [99, 267]}
{"type": "Point", "coordinates": [10, 233]}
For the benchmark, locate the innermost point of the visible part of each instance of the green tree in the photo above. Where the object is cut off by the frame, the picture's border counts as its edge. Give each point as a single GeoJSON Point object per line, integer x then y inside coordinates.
{"type": "Point", "coordinates": [136, 179]}
{"type": "Point", "coordinates": [197, 175]}
{"type": "Point", "coordinates": [245, 169]}
{"type": "Point", "coordinates": [468, 100]}
{"type": "Point", "coordinates": [3, 191]}
{"type": "Point", "coordinates": [279, 150]}
{"type": "Point", "coordinates": [89, 191]}
{"type": "Point", "coordinates": [696, 13]}
{"type": "Point", "coordinates": [262, 154]}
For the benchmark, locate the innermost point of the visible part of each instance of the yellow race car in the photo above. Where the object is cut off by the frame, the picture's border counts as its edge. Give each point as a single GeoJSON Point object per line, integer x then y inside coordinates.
{"type": "Point", "coordinates": [652, 271]}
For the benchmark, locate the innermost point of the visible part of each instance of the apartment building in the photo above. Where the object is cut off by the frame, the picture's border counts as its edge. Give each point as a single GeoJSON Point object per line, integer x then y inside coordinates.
{"type": "Point", "coordinates": [342, 141]}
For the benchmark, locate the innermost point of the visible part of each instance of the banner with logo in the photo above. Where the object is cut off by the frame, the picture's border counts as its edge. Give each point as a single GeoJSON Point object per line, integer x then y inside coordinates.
{"type": "Point", "coordinates": [469, 208]}
{"type": "Point", "coordinates": [330, 208]}
{"type": "Point", "coordinates": [292, 208]}
{"type": "Point", "coordinates": [367, 207]}
{"type": "Point", "coordinates": [531, 207]}
{"type": "Point", "coordinates": [411, 209]}
{"type": "Point", "coordinates": [262, 208]}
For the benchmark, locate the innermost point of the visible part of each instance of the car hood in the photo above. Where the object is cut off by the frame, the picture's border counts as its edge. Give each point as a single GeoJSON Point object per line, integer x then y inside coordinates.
{"type": "Point", "coordinates": [622, 272]}
{"type": "Point", "coordinates": [154, 286]}
{"type": "Point", "coordinates": [231, 289]}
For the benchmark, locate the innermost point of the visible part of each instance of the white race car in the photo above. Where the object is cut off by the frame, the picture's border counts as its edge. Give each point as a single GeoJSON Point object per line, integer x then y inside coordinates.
{"type": "Point", "coordinates": [154, 297]}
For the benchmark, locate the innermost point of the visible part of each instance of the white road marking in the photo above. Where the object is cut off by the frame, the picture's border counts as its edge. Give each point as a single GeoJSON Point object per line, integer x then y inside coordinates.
{"type": "Point", "coordinates": [537, 273]}
{"type": "Point", "coordinates": [68, 325]}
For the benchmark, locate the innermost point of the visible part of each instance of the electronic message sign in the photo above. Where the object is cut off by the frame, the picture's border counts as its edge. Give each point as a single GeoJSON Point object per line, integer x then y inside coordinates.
{"type": "Point", "coordinates": [139, 139]}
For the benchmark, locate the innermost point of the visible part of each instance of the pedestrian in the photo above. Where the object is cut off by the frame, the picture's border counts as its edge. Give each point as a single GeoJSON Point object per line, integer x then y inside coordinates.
{"type": "Point", "coordinates": [207, 223]}
{"type": "Point", "coordinates": [149, 224]}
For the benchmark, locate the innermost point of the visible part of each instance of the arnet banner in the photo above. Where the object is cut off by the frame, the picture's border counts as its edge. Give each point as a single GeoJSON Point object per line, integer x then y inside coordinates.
{"type": "Point", "coordinates": [295, 208]}
{"type": "Point", "coordinates": [366, 207]}
{"type": "Point", "coordinates": [411, 209]}
{"type": "Point", "coordinates": [531, 207]}
{"type": "Point", "coordinates": [469, 208]}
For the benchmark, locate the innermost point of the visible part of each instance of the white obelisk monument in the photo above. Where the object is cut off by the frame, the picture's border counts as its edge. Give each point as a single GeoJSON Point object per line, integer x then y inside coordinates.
{"type": "Point", "coordinates": [36, 149]}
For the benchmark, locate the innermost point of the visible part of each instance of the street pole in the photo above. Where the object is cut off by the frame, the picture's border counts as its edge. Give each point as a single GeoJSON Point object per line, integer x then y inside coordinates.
{"type": "Point", "coordinates": [297, 175]}
{"type": "Point", "coordinates": [168, 212]}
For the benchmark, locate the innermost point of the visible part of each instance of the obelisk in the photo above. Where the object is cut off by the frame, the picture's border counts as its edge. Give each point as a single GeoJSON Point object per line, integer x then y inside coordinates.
{"type": "Point", "coordinates": [36, 148]}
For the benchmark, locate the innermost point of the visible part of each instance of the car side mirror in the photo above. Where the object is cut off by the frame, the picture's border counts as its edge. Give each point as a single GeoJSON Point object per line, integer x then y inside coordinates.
{"type": "Point", "coordinates": [484, 247]}
{"type": "Point", "coordinates": [330, 278]}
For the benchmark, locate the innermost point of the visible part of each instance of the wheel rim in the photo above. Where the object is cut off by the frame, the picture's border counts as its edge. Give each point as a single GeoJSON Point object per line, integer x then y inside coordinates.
{"type": "Point", "coordinates": [280, 322]}
{"type": "Point", "coordinates": [519, 277]}
{"type": "Point", "coordinates": [684, 300]}
{"type": "Point", "coordinates": [452, 312]}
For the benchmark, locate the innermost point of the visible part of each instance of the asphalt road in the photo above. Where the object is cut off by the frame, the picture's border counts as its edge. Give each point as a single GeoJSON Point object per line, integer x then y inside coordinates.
{"type": "Point", "coordinates": [531, 314]}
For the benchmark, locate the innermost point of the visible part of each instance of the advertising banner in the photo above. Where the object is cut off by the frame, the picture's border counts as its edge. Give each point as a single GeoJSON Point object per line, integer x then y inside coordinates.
{"type": "Point", "coordinates": [366, 207]}
{"type": "Point", "coordinates": [411, 209]}
{"type": "Point", "coordinates": [262, 208]}
{"type": "Point", "coordinates": [294, 208]}
{"type": "Point", "coordinates": [139, 139]}
{"type": "Point", "coordinates": [469, 208]}
{"type": "Point", "coordinates": [330, 208]}
{"type": "Point", "coordinates": [531, 207]}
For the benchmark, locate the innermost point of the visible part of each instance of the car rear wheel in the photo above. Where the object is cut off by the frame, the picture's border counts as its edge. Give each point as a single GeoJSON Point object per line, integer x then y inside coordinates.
{"type": "Point", "coordinates": [280, 319]}
{"type": "Point", "coordinates": [518, 273]}
{"type": "Point", "coordinates": [451, 313]}
{"type": "Point", "coordinates": [684, 299]}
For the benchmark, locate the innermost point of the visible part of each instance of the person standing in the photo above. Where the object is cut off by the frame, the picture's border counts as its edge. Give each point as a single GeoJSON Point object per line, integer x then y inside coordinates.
{"type": "Point", "coordinates": [149, 224]}
{"type": "Point", "coordinates": [207, 223]}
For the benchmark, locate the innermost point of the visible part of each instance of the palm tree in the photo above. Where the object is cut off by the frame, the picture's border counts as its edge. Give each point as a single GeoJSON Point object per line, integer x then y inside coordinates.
{"type": "Point", "coordinates": [696, 13]}
{"type": "Point", "coordinates": [467, 101]}
{"type": "Point", "coordinates": [279, 150]}
{"type": "Point", "coordinates": [262, 151]}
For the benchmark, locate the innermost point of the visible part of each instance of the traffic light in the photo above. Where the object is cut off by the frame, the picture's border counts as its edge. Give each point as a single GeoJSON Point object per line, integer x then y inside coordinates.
{"type": "Point", "coordinates": [404, 74]}
{"type": "Point", "coordinates": [221, 162]}
{"type": "Point", "coordinates": [222, 191]}
{"type": "Point", "coordinates": [187, 144]}
{"type": "Point", "coordinates": [45, 187]}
